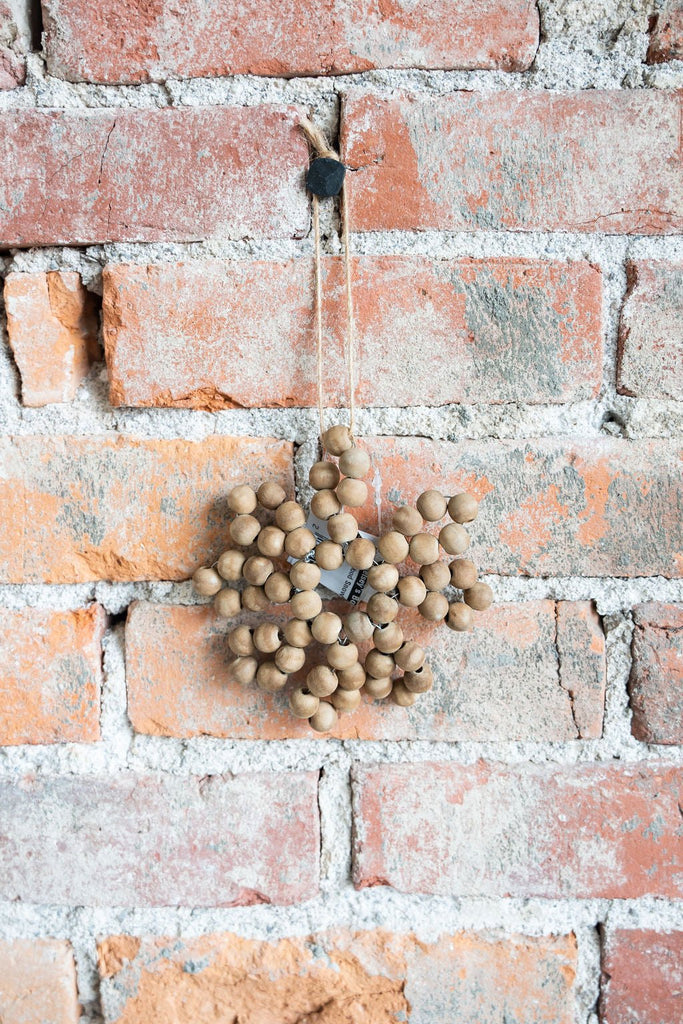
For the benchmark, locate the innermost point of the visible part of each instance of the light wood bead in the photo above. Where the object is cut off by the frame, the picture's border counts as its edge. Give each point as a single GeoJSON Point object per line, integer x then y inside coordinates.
{"type": "Point", "coordinates": [303, 703]}
{"type": "Point", "coordinates": [463, 508]}
{"type": "Point", "coordinates": [341, 656]}
{"type": "Point", "coordinates": [360, 553]}
{"type": "Point", "coordinates": [242, 499]}
{"type": "Point", "coordinates": [407, 520]}
{"type": "Point", "coordinates": [244, 530]}
{"type": "Point", "coordinates": [324, 719]}
{"type": "Point", "coordinates": [434, 607]}
{"type": "Point", "coordinates": [378, 689]}
{"type": "Point", "coordinates": [382, 608]}
{"type": "Point", "coordinates": [230, 565]}
{"type": "Point", "coordinates": [379, 665]}
{"type": "Point", "coordinates": [463, 573]}
{"type": "Point", "coordinates": [410, 657]}
{"type": "Point", "coordinates": [432, 506]}
{"type": "Point", "coordinates": [351, 678]}
{"type": "Point", "coordinates": [388, 638]}
{"type": "Point", "coordinates": [479, 597]}
{"type": "Point", "coordinates": [454, 539]}
{"type": "Point", "coordinates": [305, 575]}
{"type": "Point", "coordinates": [357, 626]}
{"type": "Point", "coordinates": [254, 599]}
{"type": "Point", "coordinates": [355, 463]}
{"type": "Point", "coordinates": [240, 641]}
{"type": "Point", "coordinates": [289, 516]}
{"type": "Point", "coordinates": [352, 493]}
{"type": "Point", "coordinates": [337, 440]}
{"type": "Point", "coordinates": [329, 555]}
{"type": "Point", "coordinates": [342, 528]}
{"type": "Point", "coordinates": [411, 591]}
{"type": "Point", "coordinates": [270, 678]}
{"type": "Point", "coordinates": [257, 569]}
{"type": "Point", "coordinates": [460, 617]}
{"type": "Point", "coordinates": [243, 671]}
{"type": "Point", "coordinates": [298, 633]}
{"type": "Point", "coordinates": [306, 605]}
{"type": "Point", "coordinates": [271, 541]}
{"type": "Point", "coordinates": [345, 700]}
{"type": "Point", "coordinates": [270, 494]}
{"type": "Point", "coordinates": [321, 680]}
{"type": "Point", "coordinates": [424, 548]}
{"type": "Point", "coordinates": [299, 542]}
{"type": "Point", "coordinates": [435, 576]}
{"type": "Point", "coordinates": [267, 638]}
{"type": "Point", "coordinates": [323, 476]}
{"type": "Point", "coordinates": [383, 577]}
{"type": "Point", "coordinates": [207, 581]}
{"type": "Point", "coordinates": [227, 603]}
{"type": "Point", "coordinates": [326, 627]}
{"type": "Point", "coordinates": [278, 588]}
{"type": "Point", "coordinates": [419, 680]}
{"type": "Point", "coordinates": [401, 695]}
{"type": "Point", "coordinates": [325, 504]}
{"type": "Point", "coordinates": [290, 659]}
{"type": "Point", "coordinates": [393, 547]}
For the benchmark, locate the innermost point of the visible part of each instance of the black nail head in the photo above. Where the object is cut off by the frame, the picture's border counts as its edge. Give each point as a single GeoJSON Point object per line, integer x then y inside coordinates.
{"type": "Point", "coordinates": [325, 177]}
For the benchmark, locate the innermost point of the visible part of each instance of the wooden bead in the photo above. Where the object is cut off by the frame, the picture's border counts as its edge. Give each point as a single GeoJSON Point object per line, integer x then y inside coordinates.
{"type": "Point", "coordinates": [323, 476]}
{"type": "Point", "coordinates": [242, 499]}
{"type": "Point", "coordinates": [460, 617]}
{"type": "Point", "coordinates": [357, 626]}
{"type": "Point", "coordinates": [337, 440]}
{"type": "Point", "coordinates": [352, 493]}
{"type": "Point", "coordinates": [321, 680]}
{"type": "Point", "coordinates": [378, 689]}
{"type": "Point", "coordinates": [270, 678]}
{"type": "Point", "coordinates": [325, 504]}
{"type": "Point", "coordinates": [419, 680]}
{"type": "Point", "coordinates": [463, 508]}
{"type": "Point", "coordinates": [454, 539]}
{"type": "Point", "coordinates": [254, 599]}
{"type": "Point", "coordinates": [243, 670]}
{"type": "Point", "coordinates": [360, 553]}
{"type": "Point", "coordinates": [382, 608]}
{"type": "Point", "coordinates": [432, 506]}
{"type": "Point", "coordinates": [227, 603]}
{"type": "Point", "coordinates": [329, 555]}
{"type": "Point", "coordinates": [388, 638]}
{"type": "Point", "coordinates": [434, 607]}
{"type": "Point", "coordinates": [240, 641]}
{"type": "Point", "coordinates": [270, 494]}
{"type": "Point", "coordinates": [410, 657]}
{"type": "Point", "coordinates": [383, 577]}
{"type": "Point", "coordinates": [401, 695]}
{"type": "Point", "coordinates": [290, 659]}
{"type": "Point", "coordinates": [230, 565]}
{"type": "Point", "coordinates": [207, 581]}
{"type": "Point", "coordinates": [424, 548]}
{"type": "Point", "coordinates": [257, 569]}
{"type": "Point", "coordinates": [435, 576]}
{"type": "Point", "coordinates": [393, 547]}
{"type": "Point", "coordinates": [299, 542]}
{"type": "Point", "coordinates": [278, 588]}
{"type": "Point", "coordinates": [354, 462]}
{"type": "Point", "coordinates": [271, 541]}
{"type": "Point", "coordinates": [244, 530]}
{"type": "Point", "coordinates": [345, 700]}
{"type": "Point", "coordinates": [305, 575]}
{"type": "Point", "coordinates": [463, 573]}
{"type": "Point", "coordinates": [298, 633]}
{"type": "Point", "coordinates": [326, 627]}
{"type": "Point", "coordinates": [303, 703]}
{"type": "Point", "coordinates": [351, 678]}
{"type": "Point", "coordinates": [479, 597]}
{"type": "Point", "coordinates": [289, 516]}
{"type": "Point", "coordinates": [324, 719]}
{"type": "Point", "coordinates": [407, 520]}
{"type": "Point", "coordinates": [379, 665]}
{"type": "Point", "coordinates": [267, 637]}
{"type": "Point", "coordinates": [341, 656]}
{"type": "Point", "coordinates": [411, 591]}
{"type": "Point", "coordinates": [342, 528]}
{"type": "Point", "coordinates": [306, 605]}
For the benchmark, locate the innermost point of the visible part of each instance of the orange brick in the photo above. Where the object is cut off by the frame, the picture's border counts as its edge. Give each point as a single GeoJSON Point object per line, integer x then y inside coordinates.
{"type": "Point", "coordinates": [666, 34]}
{"type": "Point", "coordinates": [12, 49]}
{"type": "Point", "coordinates": [37, 982]}
{"type": "Point", "coordinates": [642, 980]}
{"type": "Point", "coordinates": [51, 675]}
{"type": "Point", "coordinates": [656, 683]}
{"type": "Point", "coordinates": [651, 331]}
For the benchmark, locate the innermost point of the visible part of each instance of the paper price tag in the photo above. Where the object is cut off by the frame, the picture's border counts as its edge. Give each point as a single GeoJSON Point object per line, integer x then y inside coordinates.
{"type": "Point", "coordinates": [350, 584]}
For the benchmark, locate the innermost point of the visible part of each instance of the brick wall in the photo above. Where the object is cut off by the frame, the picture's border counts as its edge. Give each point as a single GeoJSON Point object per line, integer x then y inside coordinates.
{"type": "Point", "coordinates": [175, 848]}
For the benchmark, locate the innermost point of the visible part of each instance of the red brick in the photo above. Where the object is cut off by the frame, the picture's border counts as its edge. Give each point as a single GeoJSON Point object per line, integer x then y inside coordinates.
{"type": "Point", "coordinates": [12, 47]}
{"type": "Point", "coordinates": [583, 831]}
{"type": "Point", "coordinates": [504, 681]}
{"type": "Point", "coordinates": [372, 977]}
{"type": "Point", "coordinates": [134, 840]}
{"type": "Point", "coordinates": [37, 982]}
{"type": "Point", "coordinates": [50, 675]}
{"type": "Point", "coordinates": [89, 176]}
{"type": "Point", "coordinates": [119, 508]}
{"type": "Point", "coordinates": [666, 34]}
{"type": "Point", "coordinates": [52, 330]}
{"type": "Point", "coordinates": [656, 683]}
{"type": "Point", "coordinates": [642, 978]}
{"type": "Point", "coordinates": [651, 331]}
{"type": "Point", "coordinates": [524, 161]}
{"type": "Point", "coordinates": [119, 44]}
{"type": "Point", "coordinates": [432, 331]}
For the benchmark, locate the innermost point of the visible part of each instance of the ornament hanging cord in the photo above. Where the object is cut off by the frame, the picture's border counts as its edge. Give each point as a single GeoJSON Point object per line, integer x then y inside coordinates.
{"type": "Point", "coordinates": [322, 150]}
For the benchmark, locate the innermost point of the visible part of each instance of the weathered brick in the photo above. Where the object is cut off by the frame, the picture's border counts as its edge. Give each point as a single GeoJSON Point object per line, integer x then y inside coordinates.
{"type": "Point", "coordinates": [85, 42]}
{"type": "Point", "coordinates": [50, 675]}
{"type": "Point", "coordinates": [656, 682]}
{"type": "Point", "coordinates": [587, 161]}
{"type": "Point", "coordinates": [642, 981]}
{"type": "Point", "coordinates": [52, 331]}
{"type": "Point", "coordinates": [372, 977]}
{"type": "Point", "coordinates": [13, 44]}
{"type": "Point", "coordinates": [651, 331]}
{"type": "Point", "coordinates": [37, 982]}
{"type": "Point", "coordinates": [432, 331]}
{"type": "Point", "coordinates": [90, 176]}
{"type": "Point", "coordinates": [532, 671]}
{"type": "Point", "coordinates": [580, 831]}
{"type": "Point", "coordinates": [132, 840]}
{"type": "Point", "coordinates": [666, 34]}
{"type": "Point", "coordinates": [121, 508]}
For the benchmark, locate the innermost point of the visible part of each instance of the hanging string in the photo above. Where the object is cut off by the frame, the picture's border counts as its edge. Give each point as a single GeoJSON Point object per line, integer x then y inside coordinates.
{"type": "Point", "coordinates": [319, 313]}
